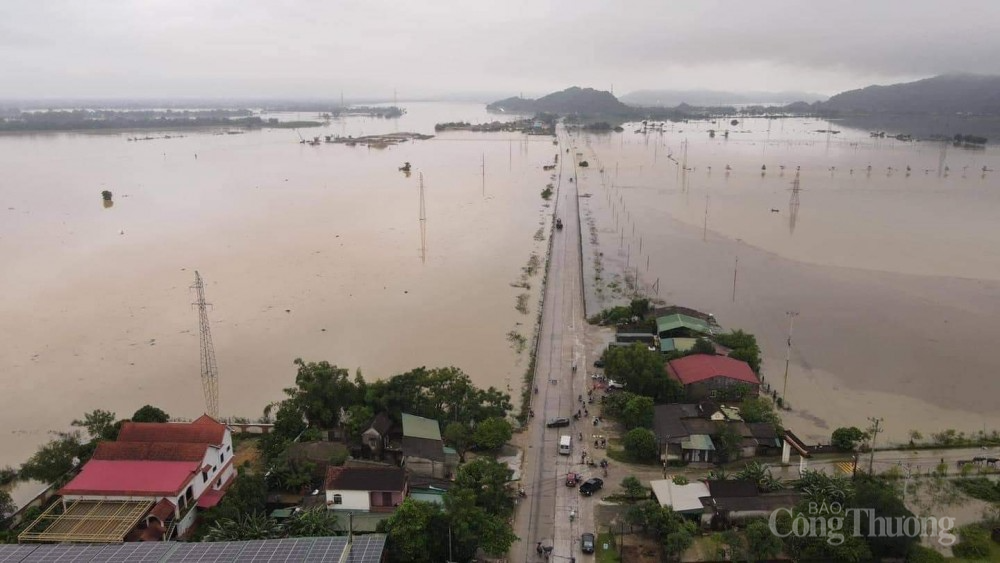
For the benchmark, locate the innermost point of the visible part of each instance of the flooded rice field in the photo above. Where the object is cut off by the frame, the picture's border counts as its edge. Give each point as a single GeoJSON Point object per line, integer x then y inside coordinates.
{"type": "Point", "coordinates": [894, 274]}
{"type": "Point", "coordinates": [315, 252]}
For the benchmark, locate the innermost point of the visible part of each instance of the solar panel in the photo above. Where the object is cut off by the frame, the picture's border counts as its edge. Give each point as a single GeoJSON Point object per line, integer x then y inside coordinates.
{"type": "Point", "coordinates": [364, 549]}
{"type": "Point", "coordinates": [13, 553]}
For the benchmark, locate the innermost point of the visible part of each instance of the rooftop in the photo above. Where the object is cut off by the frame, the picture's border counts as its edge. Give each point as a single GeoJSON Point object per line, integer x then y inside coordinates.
{"type": "Point", "coordinates": [131, 478]}
{"type": "Point", "coordinates": [83, 521]}
{"type": "Point", "coordinates": [204, 430]}
{"type": "Point", "coordinates": [728, 488]}
{"type": "Point", "coordinates": [420, 427]}
{"type": "Point", "coordinates": [682, 498]}
{"type": "Point", "coordinates": [150, 451]}
{"type": "Point", "coordinates": [677, 320]}
{"type": "Point", "coordinates": [365, 479]}
{"type": "Point", "coordinates": [700, 367]}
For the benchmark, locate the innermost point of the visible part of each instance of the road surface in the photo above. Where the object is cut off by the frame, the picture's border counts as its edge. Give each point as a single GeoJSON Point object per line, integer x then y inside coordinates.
{"type": "Point", "coordinates": [545, 513]}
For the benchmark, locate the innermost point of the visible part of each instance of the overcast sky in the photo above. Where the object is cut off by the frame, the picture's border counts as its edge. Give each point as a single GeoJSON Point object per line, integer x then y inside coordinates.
{"type": "Point", "coordinates": [316, 48]}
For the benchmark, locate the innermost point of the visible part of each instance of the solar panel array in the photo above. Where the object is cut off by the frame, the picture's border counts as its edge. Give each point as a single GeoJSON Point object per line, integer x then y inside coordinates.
{"type": "Point", "coordinates": [364, 549]}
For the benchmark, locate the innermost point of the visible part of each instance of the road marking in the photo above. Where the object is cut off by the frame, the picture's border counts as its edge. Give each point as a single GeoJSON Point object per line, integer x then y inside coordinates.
{"type": "Point", "coordinates": [845, 466]}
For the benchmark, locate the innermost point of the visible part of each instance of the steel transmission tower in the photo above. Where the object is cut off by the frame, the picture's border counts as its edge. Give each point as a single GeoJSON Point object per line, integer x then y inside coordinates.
{"type": "Point", "coordinates": [209, 369]}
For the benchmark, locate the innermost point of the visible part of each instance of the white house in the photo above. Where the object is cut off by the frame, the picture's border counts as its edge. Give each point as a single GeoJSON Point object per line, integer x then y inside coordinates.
{"type": "Point", "coordinates": [172, 466]}
{"type": "Point", "coordinates": [365, 488]}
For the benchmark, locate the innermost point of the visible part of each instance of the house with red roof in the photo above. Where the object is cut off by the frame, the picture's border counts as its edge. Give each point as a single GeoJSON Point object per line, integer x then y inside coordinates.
{"type": "Point", "coordinates": [173, 467]}
{"type": "Point", "coordinates": [712, 377]}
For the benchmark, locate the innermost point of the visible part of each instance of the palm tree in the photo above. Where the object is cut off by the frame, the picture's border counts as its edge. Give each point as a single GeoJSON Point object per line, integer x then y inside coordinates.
{"type": "Point", "coordinates": [253, 526]}
{"type": "Point", "coordinates": [315, 522]}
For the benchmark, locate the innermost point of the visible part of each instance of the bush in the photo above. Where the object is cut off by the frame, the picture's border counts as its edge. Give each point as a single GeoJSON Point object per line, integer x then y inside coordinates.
{"type": "Point", "coordinates": [921, 554]}
{"type": "Point", "coordinates": [974, 543]}
{"type": "Point", "coordinates": [640, 445]}
{"type": "Point", "coordinates": [847, 438]}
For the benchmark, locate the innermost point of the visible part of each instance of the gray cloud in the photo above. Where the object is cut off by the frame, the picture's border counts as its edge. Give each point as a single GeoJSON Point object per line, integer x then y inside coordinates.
{"type": "Point", "coordinates": [61, 48]}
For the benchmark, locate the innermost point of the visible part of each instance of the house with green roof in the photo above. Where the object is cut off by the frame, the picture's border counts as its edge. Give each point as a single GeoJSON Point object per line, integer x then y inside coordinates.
{"type": "Point", "coordinates": [682, 326]}
{"type": "Point", "coordinates": [424, 453]}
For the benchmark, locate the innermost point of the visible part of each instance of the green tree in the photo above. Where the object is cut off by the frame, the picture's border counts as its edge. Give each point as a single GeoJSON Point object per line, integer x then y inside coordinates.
{"type": "Point", "coordinates": [974, 543]}
{"type": "Point", "coordinates": [759, 409]}
{"type": "Point", "coordinates": [744, 347]}
{"type": "Point", "coordinates": [487, 479]}
{"type": "Point", "coordinates": [638, 413]}
{"type": "Point", "coordinates": [639, 307]}
{"type": "Point", "coordinates": [244, 527]}
{"type": "Point", "coordinates": [728, 442]}
{"type": "Point", "coordinates": [99, 424]}
{"type": "Point", "coordinates": [54, 459]}
{"type": "Point", "coordinates": [149, 413]}
{"type": "Point", "coordinates": [459, 437]}
{"type": "Point", "coordinates": [314, 522]}
{"type": "Point", "coordinates": [675, 543]}
{"type": "Point", "coordinates": [633, 489]}
{"type": "Point", "coordinates": [321, 391]}
{"type": "Point", "coordinates": [640, 445]}
{"type": "Point", "coordinates": [357, 420]}
{"type": "Point", "coordinates": [641, 371]}
{"type": "Point", "coordinates": [763, 545]}
{"type": "Point", "coordinates": [7, 506]}
{"type": "Point", "coordinates": [417, 532]}
{"type": "Point", "coordinates": [290, 475]}
{"type": "Point", "coordinates": [847, 438]}
{"type": "Point", "coordinates": [703, 346]}
{"type": "Point", "coordinates": [439, 393]}
{"type": "Point", "coordinates": [492, 433]}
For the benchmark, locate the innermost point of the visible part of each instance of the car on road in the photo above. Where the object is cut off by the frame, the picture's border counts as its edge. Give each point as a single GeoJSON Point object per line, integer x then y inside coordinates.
{"type": "Point", "coordinates": [557, 422]}
{"type": "Point", "coordinates": [587, 543]}
{"type": "Point", "coordinates": [598, 363]}
{"type": "Point", "coordinates": [591, 486]}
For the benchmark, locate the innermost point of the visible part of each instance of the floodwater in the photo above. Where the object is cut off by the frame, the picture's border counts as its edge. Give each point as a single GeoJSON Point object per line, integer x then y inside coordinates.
{"type": "Point", "coordinates": [311, 252]}
{"type": "Point", "coordinates": [894, 275]}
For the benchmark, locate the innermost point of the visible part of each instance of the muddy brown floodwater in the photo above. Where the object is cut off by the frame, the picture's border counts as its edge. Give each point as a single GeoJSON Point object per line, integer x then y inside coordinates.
{"type": "Point", "coordinates": [311, 252]}
{"type": "Point", "coordinates": [895, 275]}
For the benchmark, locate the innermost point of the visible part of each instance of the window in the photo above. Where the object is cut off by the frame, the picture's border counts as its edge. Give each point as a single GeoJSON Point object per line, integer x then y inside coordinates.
{"type": "Point", "coordinates": [386, 499]}
{"type": "Point", "coordinates": [204, 477]}
{"type": "Point", "coordinates": [222, 457]}
{"type": "Point", "coordinates": [338, 499]}
{"type": "Point", "coordinates": [713, 394]}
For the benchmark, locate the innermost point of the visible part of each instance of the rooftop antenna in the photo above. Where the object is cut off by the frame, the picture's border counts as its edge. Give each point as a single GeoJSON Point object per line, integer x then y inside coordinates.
{"type": "Point", "coordinates": [209, 368]}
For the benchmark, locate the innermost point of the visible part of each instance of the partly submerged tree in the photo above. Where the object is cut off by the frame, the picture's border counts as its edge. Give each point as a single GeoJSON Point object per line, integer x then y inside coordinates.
{"type": "Point", "coordinates": [99, 424]}
{"type": "Point", "coordinates": [53, 460]}
{"type": "Point", "coordinates": [149, 413]}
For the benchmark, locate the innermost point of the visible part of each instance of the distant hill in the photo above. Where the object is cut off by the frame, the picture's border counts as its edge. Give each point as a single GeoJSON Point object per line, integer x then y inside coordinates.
{"type": "Point", "coordinates": [703, 98]}
{"type": "Point", "coordinates": [573, 100]}
{"type": "Point", "coordinates": [945, 94]}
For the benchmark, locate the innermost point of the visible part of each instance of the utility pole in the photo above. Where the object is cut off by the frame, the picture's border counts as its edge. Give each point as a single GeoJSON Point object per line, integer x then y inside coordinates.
{"type": "Point", "coordinates": [735, 269]}
{"type": "Point", "coordinates": [423, 222]}
{"type": "Point", "coordinates": [209, 368]}
{"type": "Point", "coordinates": [704, 230]}
{"type": "Point", "coordinates": [788, 354]}
{"type": "Point", "coordinates": [875, 429]}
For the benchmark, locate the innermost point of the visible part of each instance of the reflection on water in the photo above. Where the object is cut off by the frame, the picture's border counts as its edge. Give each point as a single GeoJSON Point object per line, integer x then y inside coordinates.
{"type": "Point", "coordinates": [108, 204]}
{"type": "Point", "coordinates": [793, 205]}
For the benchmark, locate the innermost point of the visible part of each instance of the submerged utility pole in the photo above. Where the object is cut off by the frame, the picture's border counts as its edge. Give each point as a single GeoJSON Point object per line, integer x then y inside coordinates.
{"type": "Point", "coordinates": [788, 354]}
{"type": "Point", "coordinates": [209, 368]}
{"type": "Point", "coordinates": [876, 427]}
{"type": "Point", "coordinates": [423, 222]}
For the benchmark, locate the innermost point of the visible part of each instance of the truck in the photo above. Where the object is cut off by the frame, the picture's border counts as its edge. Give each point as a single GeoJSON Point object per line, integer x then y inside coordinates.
{"type": "Point", "coordinates": [565, 444]}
